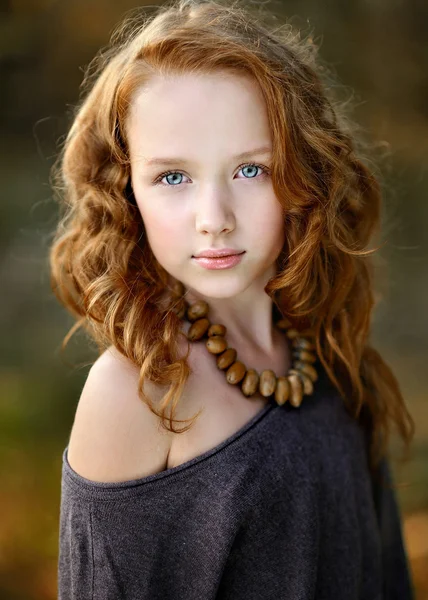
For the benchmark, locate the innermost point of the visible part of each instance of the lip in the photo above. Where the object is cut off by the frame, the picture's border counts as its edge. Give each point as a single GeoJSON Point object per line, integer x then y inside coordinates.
{"type": "Point", "coordinates": [213, 253]}
{"type": "Point", "coordinates": [224, 262]}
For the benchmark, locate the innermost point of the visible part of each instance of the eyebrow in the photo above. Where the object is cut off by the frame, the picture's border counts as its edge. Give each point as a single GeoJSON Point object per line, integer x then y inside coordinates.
{"type": "Point", "coordinates": [174, 160]}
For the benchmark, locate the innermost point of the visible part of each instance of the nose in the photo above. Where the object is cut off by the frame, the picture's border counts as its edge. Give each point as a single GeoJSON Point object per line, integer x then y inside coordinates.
{"type": "Point", "coordinates": [214, 212]}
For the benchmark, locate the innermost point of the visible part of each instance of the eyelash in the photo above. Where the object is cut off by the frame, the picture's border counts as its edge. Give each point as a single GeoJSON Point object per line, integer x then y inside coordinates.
{"type": "Point", "coordinates": [158, 179]}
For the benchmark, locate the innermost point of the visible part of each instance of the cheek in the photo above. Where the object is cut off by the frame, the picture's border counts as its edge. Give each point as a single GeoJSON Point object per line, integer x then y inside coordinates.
{"type": "Point", "coordinates": [269, 223]}
{"type": "Point", "coordinates": [164, 232]}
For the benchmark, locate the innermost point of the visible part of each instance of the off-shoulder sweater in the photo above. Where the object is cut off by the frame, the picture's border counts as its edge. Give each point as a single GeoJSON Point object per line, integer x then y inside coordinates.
{"type": "Point", "coordinates": [283, 509]}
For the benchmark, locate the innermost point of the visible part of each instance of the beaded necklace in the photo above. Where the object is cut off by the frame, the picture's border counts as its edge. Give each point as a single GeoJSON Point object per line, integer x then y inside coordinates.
{"type": "Point", "coordinates": [291, 387]}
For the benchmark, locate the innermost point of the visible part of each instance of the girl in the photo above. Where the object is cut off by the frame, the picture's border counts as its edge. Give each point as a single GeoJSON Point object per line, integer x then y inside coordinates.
{"type": "Point", "coordinates": [218, 218]}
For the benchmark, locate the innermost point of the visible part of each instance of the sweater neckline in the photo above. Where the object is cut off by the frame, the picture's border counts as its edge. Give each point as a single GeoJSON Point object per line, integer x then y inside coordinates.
{"type": "Point", "coordinates": [173, 472]}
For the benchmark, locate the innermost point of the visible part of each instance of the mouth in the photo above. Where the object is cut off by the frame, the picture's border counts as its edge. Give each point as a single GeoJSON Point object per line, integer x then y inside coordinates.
{"type": "Point", "coordinates": [222, 256]}
{"type": "Point", "coordinates": [219, 262]}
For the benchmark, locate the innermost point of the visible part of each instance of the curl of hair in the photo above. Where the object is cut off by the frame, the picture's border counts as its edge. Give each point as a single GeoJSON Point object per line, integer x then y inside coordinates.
{"type": "Point", "coordinates": [102, 268]}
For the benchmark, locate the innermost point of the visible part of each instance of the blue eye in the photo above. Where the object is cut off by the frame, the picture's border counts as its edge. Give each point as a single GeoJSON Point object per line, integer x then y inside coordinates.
{"type": "Point", "coordinates": [173, 182]}
{"type": "Point", "coordinates": [174, 174]}
{"type": "Point", "coordinates": [251, 167]}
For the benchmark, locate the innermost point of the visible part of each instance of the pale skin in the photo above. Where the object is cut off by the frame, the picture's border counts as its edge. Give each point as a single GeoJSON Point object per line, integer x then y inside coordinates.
{"type": "Point", "coordinates": [210, 198]}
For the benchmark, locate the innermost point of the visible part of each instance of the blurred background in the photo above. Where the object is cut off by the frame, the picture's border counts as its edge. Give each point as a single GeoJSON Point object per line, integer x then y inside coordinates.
{"type": "Point", "coordinates": [379, 51]}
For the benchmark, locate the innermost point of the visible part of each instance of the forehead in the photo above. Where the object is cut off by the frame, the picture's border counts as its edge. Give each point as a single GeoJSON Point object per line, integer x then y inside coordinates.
{"type": "Point", "coordinates": [223, 111]}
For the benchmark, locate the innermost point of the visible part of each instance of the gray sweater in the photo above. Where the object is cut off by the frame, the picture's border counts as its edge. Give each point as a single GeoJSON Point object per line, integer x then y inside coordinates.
{"type": "Point", "coordinates": [284, 509]}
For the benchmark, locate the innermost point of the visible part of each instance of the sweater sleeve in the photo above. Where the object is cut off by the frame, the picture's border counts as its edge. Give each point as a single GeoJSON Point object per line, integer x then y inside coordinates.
{"type": "Point", "coordinates": [397, 584]}
{"type": "Point", "coordinates": [166, 538]}
{"type": "Point", "coordinates": [117, 547]}
{"type": "Point", "coordinates": [75, 560]}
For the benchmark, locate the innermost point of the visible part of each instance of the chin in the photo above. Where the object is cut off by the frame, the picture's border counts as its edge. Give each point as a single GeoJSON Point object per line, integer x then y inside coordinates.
{"type": "Point", "coordinates": [209, 287]}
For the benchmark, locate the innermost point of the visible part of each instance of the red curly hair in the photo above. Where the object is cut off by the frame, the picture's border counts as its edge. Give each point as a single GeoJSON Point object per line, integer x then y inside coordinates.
{"type": "Point", "coordinates": [102, 268]}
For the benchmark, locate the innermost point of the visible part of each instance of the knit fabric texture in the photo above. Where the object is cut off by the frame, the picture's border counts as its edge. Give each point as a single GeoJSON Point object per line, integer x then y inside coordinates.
{"type": "Point", "coordinates": [284, 509]}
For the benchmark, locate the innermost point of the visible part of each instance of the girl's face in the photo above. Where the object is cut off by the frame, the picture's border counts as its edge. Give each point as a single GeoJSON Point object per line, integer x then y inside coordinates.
{"type": "Point", "coordinates": [196, 127]}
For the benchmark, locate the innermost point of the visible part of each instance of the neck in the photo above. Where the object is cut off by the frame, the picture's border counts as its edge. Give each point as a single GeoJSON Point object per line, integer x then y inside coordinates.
{"type": "Point", "coordinates": [248, 316]}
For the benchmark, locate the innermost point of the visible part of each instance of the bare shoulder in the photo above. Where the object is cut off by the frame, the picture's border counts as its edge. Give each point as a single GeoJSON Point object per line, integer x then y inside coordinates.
{"type": "Point", "coordinates": [115, 436]}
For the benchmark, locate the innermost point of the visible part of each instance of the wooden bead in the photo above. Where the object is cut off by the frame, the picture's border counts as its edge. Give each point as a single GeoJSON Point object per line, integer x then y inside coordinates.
{"type": "Point", "coordinates": [306, 368]}
{"type": "Point", "coordinates": [198, 329]}
{"type": "Point", "coordinates": [216, 344]}
{"type": "Point", "coordinates": [302, 344]}
{"type": "Point", "coordinates": [181, 311]}
{"type": "Point", "coordinates": [250, 383]}
{"type": "Point", "coordinates": [217, 330]}
{"type": "Point", "coordinates": [235, 373]}
{"type": "Point", "coordinates": [178, 288]}
{"type": "Point", "coordinates": [282, 390]}
{"type": "Point", "coordinates": [283, 324]}
{"type": "Point", "coordinates": [296, 389]}
{"type": "Point", "coordinates": [305, 356]}
{"type": "Point", "coordinates": [267, 383]}
{"type": "Point", "coordinates": [197, 310]}
{"type": "Point", "coordinates": [227, 358]}
{"type": "Point", "coordinates": [292, 334]}
{"type": "Point", "coordinates": [308, 386]}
